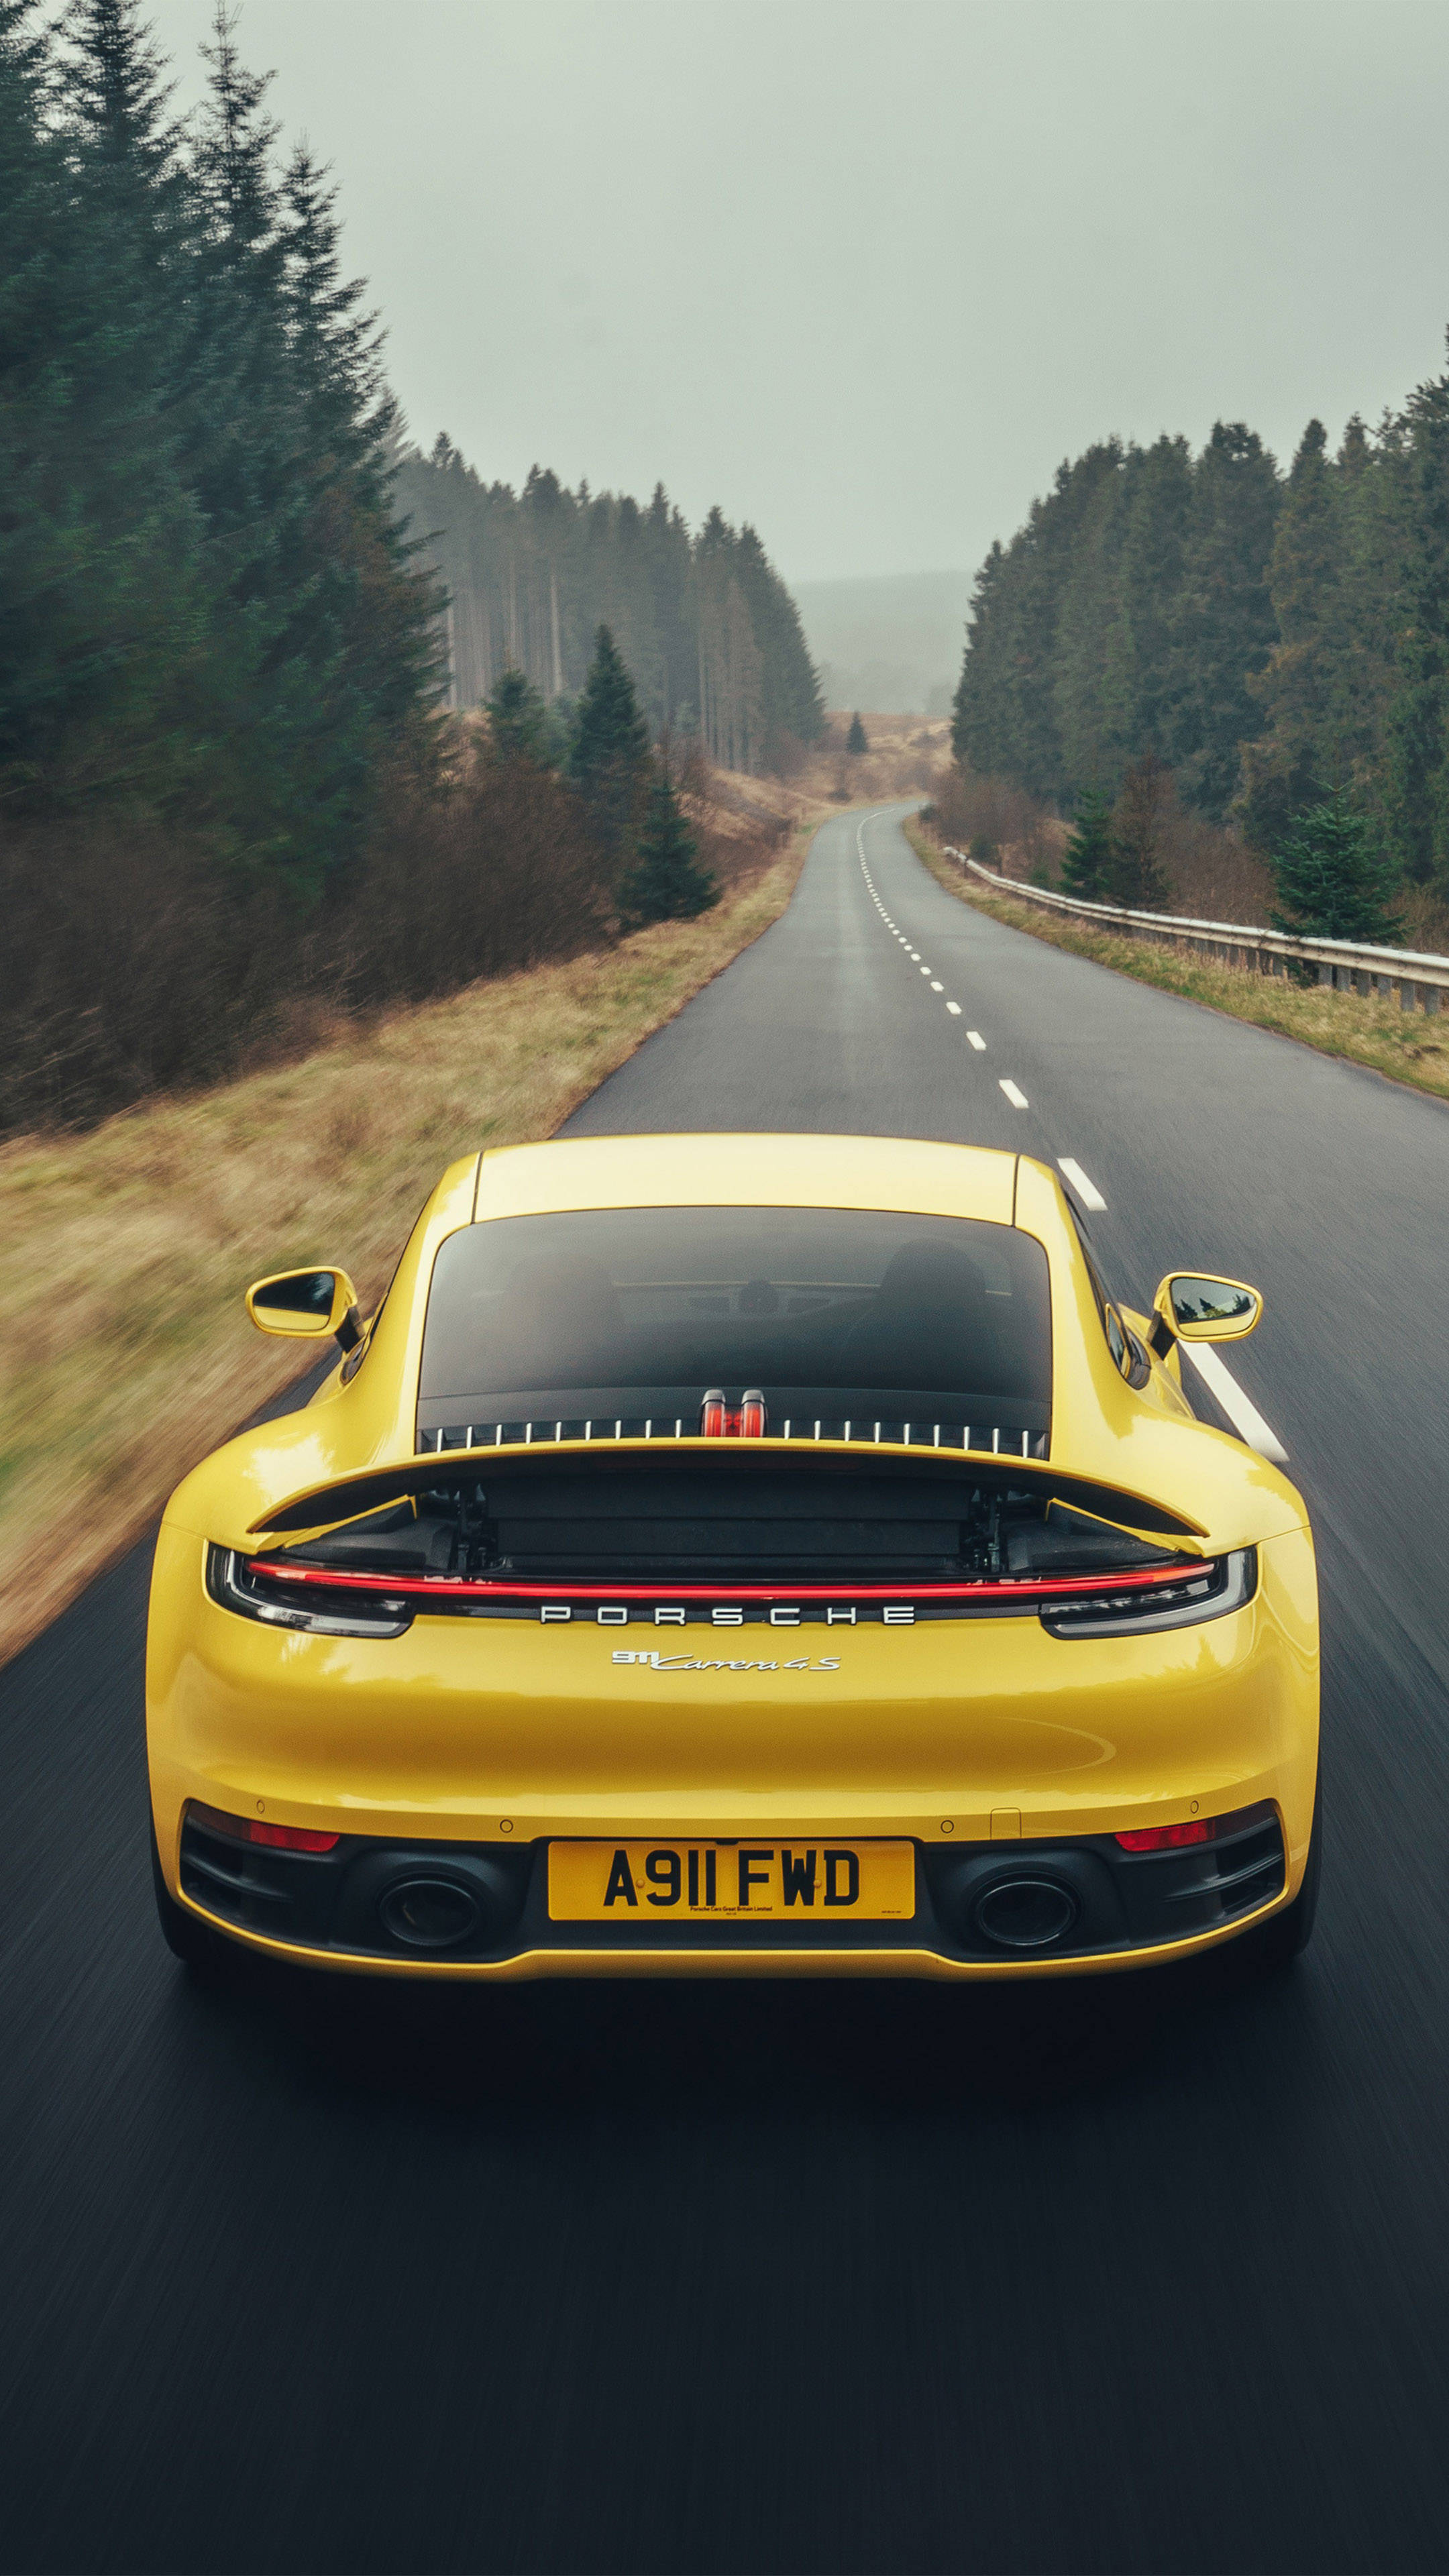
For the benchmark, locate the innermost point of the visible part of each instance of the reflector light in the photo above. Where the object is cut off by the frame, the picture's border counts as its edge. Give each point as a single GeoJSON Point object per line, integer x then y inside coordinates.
{"type": "Point", "coordinates": [1169, 1837]}
{"type": "Point", "coordinates": [292, 1838]}
{"type": "Point", "coordinates": [250, 1829]}
{"type": "Point", "coordinates": [713, 1419]}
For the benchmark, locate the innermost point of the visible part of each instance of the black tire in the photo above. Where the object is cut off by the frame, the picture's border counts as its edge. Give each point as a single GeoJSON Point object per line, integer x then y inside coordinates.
{"type": "Point", "coordinates": [193, 1943]}
{"type": "Point", "coordinates": [1286, 1936]}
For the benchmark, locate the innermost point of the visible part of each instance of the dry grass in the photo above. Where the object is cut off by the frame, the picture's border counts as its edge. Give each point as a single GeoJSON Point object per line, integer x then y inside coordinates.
{"type": "Point", "coordinates": [908, 755]}
{"type": "Point", "coordinates": [1407, 1046]}
{"type": "Point", "coordinates": [125, 1350]}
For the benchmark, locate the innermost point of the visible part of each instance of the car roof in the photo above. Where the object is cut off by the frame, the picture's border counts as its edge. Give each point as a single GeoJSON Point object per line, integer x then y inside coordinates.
{"type": "Point", "coordinates": [1101, 1429]}
{"type": "Point", "coordinates": [747, 1171]}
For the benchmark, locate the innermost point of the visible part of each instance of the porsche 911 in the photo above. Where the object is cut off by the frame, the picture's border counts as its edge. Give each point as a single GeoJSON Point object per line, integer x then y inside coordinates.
{"type": "Point", "coordinates": [731, 1555]}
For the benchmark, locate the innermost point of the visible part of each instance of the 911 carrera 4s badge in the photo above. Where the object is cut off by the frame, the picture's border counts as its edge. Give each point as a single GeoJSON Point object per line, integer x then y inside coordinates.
{"type": "Point", "coordinates": [657, 1663]}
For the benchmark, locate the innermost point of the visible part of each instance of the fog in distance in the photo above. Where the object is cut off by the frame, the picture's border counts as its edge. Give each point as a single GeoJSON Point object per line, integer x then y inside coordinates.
{"type": "Point", "coordinates": [866, 276]}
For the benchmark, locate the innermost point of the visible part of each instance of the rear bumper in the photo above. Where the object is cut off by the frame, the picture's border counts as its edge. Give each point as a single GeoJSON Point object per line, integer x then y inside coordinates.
{"type": "Point", "coordinates": [1116, 1910]}
{"type": "Point", "coordinates": [990, 1746]}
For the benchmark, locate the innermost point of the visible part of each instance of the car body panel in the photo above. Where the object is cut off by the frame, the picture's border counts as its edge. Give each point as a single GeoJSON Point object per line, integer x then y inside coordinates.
{"type": "Point", "coordinates": [462, 1728]}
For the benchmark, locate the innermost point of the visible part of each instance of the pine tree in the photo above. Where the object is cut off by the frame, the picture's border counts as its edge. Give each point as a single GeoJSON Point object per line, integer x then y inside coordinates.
{"type": "Point", "coordinates": [518, 726]}
{"type": "Point", "coordinates": [1138, 874]}
{"type": "Point", "coordinates": [1156, 502]}
{"type": "Point", "coordinates": [792, 705]}
{"type": "Point", "coordinates": [42, 523]}
{"type": "Point", "coordinates": [855, 740]}
{"type": "Point", "coordinates": [1226, 627]}
{"type": "Point", "coordinates": [609, 756]}
{"type": "Point", "coordinates": [708, 631]}
{"type": "Point", "coordinates": [979, 703]}
{"type": "Point", "coordinates": [1332, 881]}
{"type": "Point", "coordinates": [1087, 858]}
{"type": "Point", "coordinates": [100, 589]}
{"type": "Point", "coordinates": [666, 881]}
{"type": "Point", "coordinates": [1088, 690]}
{"type": "Point", "coordinates": [1418, 727]}
{"type": "Point", "coordinates": [1302, 753]}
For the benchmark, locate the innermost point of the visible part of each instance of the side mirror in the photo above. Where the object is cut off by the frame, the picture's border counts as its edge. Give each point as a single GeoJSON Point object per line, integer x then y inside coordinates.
{"type": "Point", "coordinates": [307, 1305]}
{"type": "Point", "coordinates": [1197, 1309]}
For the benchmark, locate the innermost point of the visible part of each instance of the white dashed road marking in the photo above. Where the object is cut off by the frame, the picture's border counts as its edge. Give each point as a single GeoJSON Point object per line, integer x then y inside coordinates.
{"type": "Point", "coordinates": [1087, 1191]}
{"type": "Point", "coordinates": [1239, 1408]}
{"type": "Point", "coordinates": [902, 938]}
{"type": "Point", "coordinates": [1242, 1413]}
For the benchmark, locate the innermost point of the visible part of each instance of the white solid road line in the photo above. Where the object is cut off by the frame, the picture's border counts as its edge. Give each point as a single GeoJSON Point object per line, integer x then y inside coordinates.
{"type": "Point", "coordinates": [1242, 1413]}
{"type": "Point", "coordinates": [1087, 1191]}
{"type": "Point", "coordinates": [955, 1010]}
{"type": "Point", "coordinates": [977, 1040]}
{"type": "Point", "coordinates": [1018, 1099]}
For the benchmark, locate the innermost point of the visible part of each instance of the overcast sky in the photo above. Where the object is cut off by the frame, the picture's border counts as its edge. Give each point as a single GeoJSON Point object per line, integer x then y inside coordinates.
{"type": "Point", "coordinates": [864, 274]}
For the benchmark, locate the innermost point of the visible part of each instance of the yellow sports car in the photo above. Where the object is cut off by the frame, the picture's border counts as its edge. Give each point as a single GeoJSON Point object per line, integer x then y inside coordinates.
{"type": "Point", "coordinates": [731, 1555]}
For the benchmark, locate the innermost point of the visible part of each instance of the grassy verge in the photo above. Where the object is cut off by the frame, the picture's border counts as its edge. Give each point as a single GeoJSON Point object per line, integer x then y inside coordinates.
{"type": "Point", "coordinates": [125, 1351]}
{"type": "Point", "coordinates": [1373, 1031]}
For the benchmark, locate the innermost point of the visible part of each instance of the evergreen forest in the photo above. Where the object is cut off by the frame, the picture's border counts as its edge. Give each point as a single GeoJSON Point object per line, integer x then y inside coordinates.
{"type": "Point", "coordinates": [1273, 645]}
{"type": "Point", "coordinates": [239, 618]}
{"type": "Point", "coordinates": [709, 631]}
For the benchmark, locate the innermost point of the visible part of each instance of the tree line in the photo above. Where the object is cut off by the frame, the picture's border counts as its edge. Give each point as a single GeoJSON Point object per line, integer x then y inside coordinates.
{"type": "Point", "coordinates": [1265, 648]}
{"type": "Point", "coordinates": [208, 611]}
{"type": "Point", "coordinates": [708, 629]}
{"type": "Point", "coordinates": [231, 796]}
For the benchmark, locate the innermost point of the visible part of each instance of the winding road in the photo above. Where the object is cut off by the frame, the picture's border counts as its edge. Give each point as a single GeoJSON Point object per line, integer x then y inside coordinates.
{"type": "Point", "coordinates": [1138, 2273]}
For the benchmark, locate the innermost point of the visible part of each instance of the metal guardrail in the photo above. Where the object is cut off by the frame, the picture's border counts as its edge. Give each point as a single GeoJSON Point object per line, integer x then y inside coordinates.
{"type": "Point", "coordinates": [1344, 964]}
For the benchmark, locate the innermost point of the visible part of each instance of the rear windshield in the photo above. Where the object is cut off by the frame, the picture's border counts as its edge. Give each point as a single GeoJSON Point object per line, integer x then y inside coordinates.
{"type": "Point", "coordinates": [576, 1323]}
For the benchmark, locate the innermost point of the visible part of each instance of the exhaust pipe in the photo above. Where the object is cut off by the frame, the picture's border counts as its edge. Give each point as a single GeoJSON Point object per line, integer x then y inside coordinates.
{"type": "Point", "coordinates": [428, 1913]}
{"type": "Point", "coordinates": [1025, 1913]}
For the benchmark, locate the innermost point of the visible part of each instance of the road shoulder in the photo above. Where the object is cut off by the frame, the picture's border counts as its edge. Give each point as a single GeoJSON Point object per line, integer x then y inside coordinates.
{"type": "Point", "coordinates": [1408, 1048]}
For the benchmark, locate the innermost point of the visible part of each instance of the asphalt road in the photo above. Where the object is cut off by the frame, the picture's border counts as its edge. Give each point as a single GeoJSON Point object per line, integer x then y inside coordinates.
{"type": "Point", "coordinates": [1142, 2273]}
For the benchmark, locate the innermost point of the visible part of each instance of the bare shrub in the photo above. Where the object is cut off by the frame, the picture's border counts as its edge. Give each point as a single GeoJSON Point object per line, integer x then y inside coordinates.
{"type": "Point", "coordinates": [1211, 874]}
{"type": "Point", "coordinates": [501, 874]}
{"type": "Point", "coordinates": [131, 967]}
{"type": "Point", "coordinates": [1203, 870]}
{"type": "Point", "coordinates": [992, 820]}
{"type": "Point", "coordinates": [1141, 817]}
{"type": "Point", "coordinates": [128, 966]}
{"type": "Point", "coordinates": [735, 839]}
{"type": "Point", "coordinates": [1426, 920]}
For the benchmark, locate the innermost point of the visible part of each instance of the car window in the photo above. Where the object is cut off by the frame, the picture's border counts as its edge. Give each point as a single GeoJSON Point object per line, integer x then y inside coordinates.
{"type": "Point", "coordinates": [1127, 1352]}
{"type": "Point", "coordinates": [832, 1313]}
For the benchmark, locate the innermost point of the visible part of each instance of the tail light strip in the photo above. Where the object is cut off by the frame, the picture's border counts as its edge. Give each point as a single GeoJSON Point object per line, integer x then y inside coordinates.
{"type": "Point", "coordinates": [1027, 1590]}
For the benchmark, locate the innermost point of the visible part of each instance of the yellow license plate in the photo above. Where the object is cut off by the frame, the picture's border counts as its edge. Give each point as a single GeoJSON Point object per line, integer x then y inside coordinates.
{"type": "Point", "coordinates": [674, 1882]}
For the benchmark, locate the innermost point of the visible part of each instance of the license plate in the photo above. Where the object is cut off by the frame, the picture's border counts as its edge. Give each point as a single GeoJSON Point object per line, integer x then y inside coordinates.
{"type": "Point", "coordinates": [790, 1882]}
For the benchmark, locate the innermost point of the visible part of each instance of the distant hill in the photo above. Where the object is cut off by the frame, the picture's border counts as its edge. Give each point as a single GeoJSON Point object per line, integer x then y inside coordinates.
{"type": "Point", "coordinates": [894, 641]}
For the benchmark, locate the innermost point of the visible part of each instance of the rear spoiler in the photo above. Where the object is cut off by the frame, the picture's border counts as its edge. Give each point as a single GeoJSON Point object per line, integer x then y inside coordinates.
{"type": "Point", "coordinates": [457, 1471]}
